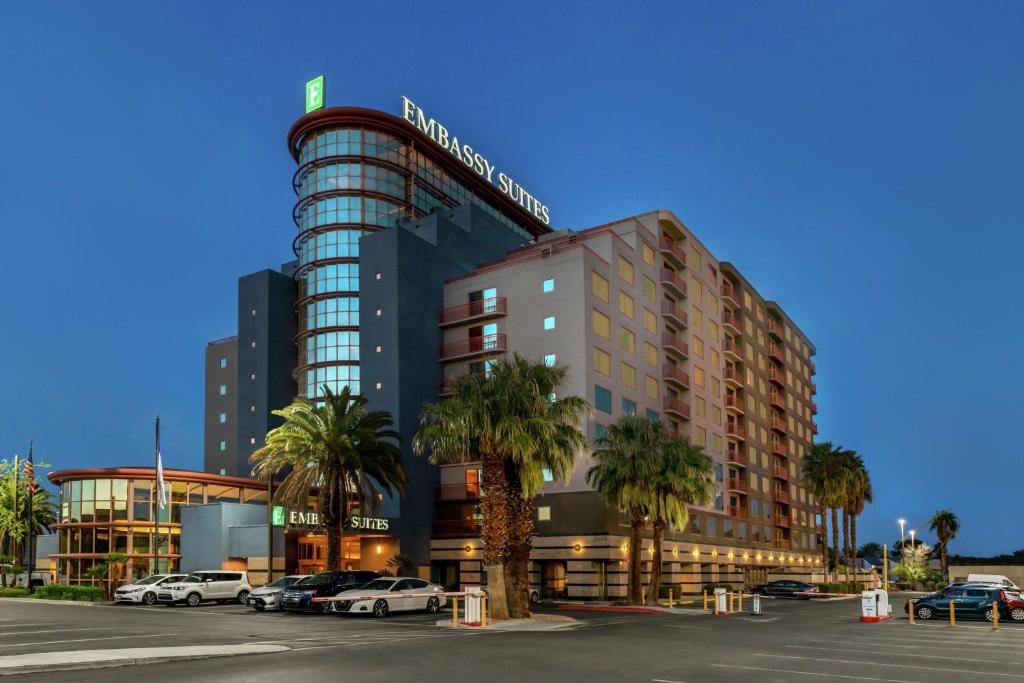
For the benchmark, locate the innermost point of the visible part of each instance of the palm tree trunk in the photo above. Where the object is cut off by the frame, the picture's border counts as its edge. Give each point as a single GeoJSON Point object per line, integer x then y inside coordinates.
{"type": "Point", "coordinates": [517, 566]}
{"type": "Point", "coordinates": [846, 542]}
{"type": "Point", "coordinates": [853, 545]}
{"type": "Point", "coordinates": [636, 549]}
{"type": "Point", "coordinates": [835, 544]}
{"type": "Point", "coordinates": [654, 589]}
{"type": "Point", "coordinates": [942, 557]}
{"type": "Point", "coordinates": [823, 532]}
{"type": "Point", "coordinates": [494, 533]}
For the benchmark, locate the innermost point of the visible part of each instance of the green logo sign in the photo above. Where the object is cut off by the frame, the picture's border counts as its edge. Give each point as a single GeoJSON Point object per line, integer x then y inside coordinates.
{"type": "Point", "coordinates": [315, 94]}
{"type": "Point", "coordinates": [277, 515]}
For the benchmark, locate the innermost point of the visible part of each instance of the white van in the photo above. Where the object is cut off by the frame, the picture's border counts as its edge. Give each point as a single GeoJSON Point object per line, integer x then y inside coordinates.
{"type": "Point", "coordinates": [995, 579]}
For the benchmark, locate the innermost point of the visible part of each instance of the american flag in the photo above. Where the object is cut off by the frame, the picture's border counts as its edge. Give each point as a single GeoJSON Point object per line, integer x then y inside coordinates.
{"type": "Point", "coordinates": [30, 474]}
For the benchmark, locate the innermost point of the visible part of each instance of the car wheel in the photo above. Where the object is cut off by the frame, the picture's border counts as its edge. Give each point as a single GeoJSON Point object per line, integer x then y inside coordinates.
{"type": "Point", "coordinates": [988, 614]}
{"type": "Point", "coordinates": [259, 608]}
{"type": "Point", "coordinates": [924, 612]}
{"type": "Point", "coordinates": [433, 606]}
{"type": "Point", "coordinates": [242, 597]}
{"type": "Point", "coordinates": [1017, 614]}
{"type": "Point", "coordinates": [380, 608]}
{"type": "Point", "coordinates": [193, 599]}
{"type": "Point", "coordinates": [149, 599]}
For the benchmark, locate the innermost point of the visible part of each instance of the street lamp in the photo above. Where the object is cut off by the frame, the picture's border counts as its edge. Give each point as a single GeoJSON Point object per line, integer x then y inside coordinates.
{"type": "Point", "coordinates": [903, 523]}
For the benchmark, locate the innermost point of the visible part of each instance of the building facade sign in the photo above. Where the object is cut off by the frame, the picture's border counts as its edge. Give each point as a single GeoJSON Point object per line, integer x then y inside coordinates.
{"type": "Point", "coordinates": [307, 519]}
{"type": "Point", "coordinates": [315, 94]}
{"type": "Point", "coordinates": [473, 160]}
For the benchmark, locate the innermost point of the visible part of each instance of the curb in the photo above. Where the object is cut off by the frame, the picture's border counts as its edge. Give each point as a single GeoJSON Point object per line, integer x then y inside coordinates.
{"type": "Point", "coordinates": [127, 661]}
{"type": "Point", "coordinates": [44, 601]}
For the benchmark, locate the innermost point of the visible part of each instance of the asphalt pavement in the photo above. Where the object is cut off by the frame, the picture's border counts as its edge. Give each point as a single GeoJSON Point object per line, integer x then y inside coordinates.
{"type": "Point", "coordinates": [790, 641]}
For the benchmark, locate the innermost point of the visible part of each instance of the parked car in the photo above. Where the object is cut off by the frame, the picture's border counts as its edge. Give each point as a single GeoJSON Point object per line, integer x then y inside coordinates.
{"type": "Point", "coordinates": [1014, 602]}
{"type": "Point", "coordinates": [220, 586]}
{"type": "Point", "coordinates": [970, 600]}
{"type": "Point", "coordinates": [144, 591]}
{"type": "Point", "coordinates": [995, 579]}
{"type": "Point", "coordinates": [266, 597]}
{"type": "Point", "coordinates": [396, 594]}
{"type": "Point", "coordinates": [298, 597]}
{"type": "Point", "coordinates": [786, 589]}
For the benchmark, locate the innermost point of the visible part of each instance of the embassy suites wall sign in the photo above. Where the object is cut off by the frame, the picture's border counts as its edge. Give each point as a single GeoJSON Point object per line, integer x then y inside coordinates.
{"type": "Point", "coordinates": [473, 160]}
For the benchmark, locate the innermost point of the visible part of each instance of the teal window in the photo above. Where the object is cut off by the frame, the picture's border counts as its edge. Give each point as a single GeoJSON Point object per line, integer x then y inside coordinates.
{"type": "Point", "coordinates": [602, 399]}
{"type": "Point", "coordinates": [549, 360]}
{"type": "Point", "coordinates": [549, 322]}
{"type": "Point", "coordinates": [223, 390]}
{"type": "Point", "coordinates": [599, 431]}
{"type": "Point", "coordinates": [549, 285]}
{"type": "Point", "coordinates": [628, 407]}
{"type": "Point", "coordinates": [223, 362]}
{"type": "Point", "coordinates": [223, 445]}
{"type": "Point", "coordinates": [546, 473]}
{"type": "Point", "coordinates": [652, 415]}
{"type": "Point", "coordinates": [223, 418]}
{"type": "Point", "coordinates": [719, 503]}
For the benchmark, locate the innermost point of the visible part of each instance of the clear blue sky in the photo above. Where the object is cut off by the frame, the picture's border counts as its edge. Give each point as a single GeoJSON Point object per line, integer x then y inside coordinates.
{"type": "Point", "coordinates": [861, 162]}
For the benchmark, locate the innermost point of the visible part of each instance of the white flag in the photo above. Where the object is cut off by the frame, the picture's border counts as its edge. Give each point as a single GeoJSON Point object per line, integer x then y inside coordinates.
{"type": "Point", "coordinates": [161, 488]}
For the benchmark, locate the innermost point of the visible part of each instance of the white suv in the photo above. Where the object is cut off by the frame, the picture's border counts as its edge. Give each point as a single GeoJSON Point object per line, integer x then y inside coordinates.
{"type": "Point", "coordinates": [221, 586]}
{"type": "Point", "coordinates": [144, 590]}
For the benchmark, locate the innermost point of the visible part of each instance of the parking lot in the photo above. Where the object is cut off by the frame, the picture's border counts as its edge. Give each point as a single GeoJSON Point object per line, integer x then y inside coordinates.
{"type": "Point", "coordinates": [791, 641]}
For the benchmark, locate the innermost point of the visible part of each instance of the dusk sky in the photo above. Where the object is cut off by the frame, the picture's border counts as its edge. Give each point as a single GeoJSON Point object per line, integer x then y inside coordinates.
{"type": "Point", "coordinates": [859, 162]}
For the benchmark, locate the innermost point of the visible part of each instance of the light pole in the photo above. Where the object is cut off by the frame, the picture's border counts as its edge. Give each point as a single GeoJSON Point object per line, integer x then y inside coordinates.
{"type": "Point", "coordinates": [903, 523]}
{"type": "Point", "coordinates": [912, 532]}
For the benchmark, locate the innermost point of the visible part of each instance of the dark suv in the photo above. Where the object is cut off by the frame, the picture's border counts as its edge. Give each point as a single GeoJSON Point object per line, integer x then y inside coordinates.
{"type": "Point", "coordinates": [298, 597]}
{"type": "Point", "coordinates": [969, 600]}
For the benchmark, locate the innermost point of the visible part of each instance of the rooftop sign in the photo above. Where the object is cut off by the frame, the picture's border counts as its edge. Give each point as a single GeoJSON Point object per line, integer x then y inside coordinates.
{"type": "Point", "coordinates": [315, 94]}
{"type": "Point", "coordinates": [473, 160]}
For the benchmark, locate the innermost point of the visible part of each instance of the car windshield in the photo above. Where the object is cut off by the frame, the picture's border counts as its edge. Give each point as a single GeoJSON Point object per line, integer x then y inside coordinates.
{"type": "Point", "coordinates": [380, 585]}
{"type": "Point", "coordinates": [148, 580]}
{"type": "Point", "coordinates": [192, 579]}
{"type": "Point", "coordinates": [283, 582]}
{"type": "Point", "coordinates": [318, 580]}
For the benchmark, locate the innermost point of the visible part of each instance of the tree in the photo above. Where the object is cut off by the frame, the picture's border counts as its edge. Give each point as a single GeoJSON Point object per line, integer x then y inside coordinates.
{"type": "Point", "coordinates": [945, 525]}
{"type": "Point", "coordinates": [626, 462]}
{"type": "Point", "coordinates": [684, 477]}
{"type": "Point", "coordinates": [99, 574]}
{"type": "Point", "coordinates": [338, 449]}
{"type": "Point", "coordinates": [511, 422]}
{"type": "Point", "coordinates": [14, 524]}
{"type": "Point", "coordinates": [815, 469]}
{"type": "Point", "coordinates": [116, 562]}
{"type": "Point", "coordinates": [870, 549]}
{"type": "Point", "coordinates": [856, 493]}
{"type": "Point", "coordinates": [914, 565]}
{"type": "Point", "coordinates": [862, 494]}
{"type": "Point", "coordinates": [5, 562]}
{"type": "Point", "coordinates": [401, 563]}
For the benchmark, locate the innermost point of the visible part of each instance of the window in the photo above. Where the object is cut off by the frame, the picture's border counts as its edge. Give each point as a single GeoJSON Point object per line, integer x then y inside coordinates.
{"type": "Point", "coordinates": [648, 254]}
{"type": "Point", "coordinates": [549, 360]}
{"type": "Point", "coordinates": [549, 285]}
{"type": "Point", "coordinates": [602, 326]}
{"type": "Point", "coordinates": [628, 407]}
{"type": "Point", "coordinates": [223, 390]}
{"type": "Point", "coordinates": [546, 474]}
{"type": "Point", "coordinates": [625, 270]}
{"type": "Point", "coordinates": [649, 289]}
{"type": "Point", "coordinates": [627, 340]}
{"type": "Point", "coordinates": [698, 346]}
{"type": "Point", "coordinates": [223, 418]}
{"type": "Point", "coordinates": [651, 387]}
{"type": "Point", "coordinates": [650, 354]}
{"type": "Point", "coordinates": [627, 374]}
{"type": "Point", "coordinates": [650, 321]}
{"type": "Point", "coordinates": [223, 445]}
{"type": "Point", "coordinates": [602, 399]}
{"type": "Point", "coordinates": [700, 437]}
{"type": "Point", "coordinates": [698, 375]}
{"type": "Point", "coordinates": [626, 306]}
{"type": "Point", "coordinates": [696, 317]}
{"type": "Point", "coordinates": [602, 362]}
{"type": "Point", "coordinates": [544, 514]}
{"type": "Point", "coordinates": [599, 431]}
{"type": "Point", "coordinates": [700, 406]}
{"type": "Point", "coordinates": [549, 322]}
{"type": "Point", "coordinates": [652, 415]}
{"type": "Point", "coordinates": [223, 362]}
{"type": "Point", "coordinates": [599, 286]}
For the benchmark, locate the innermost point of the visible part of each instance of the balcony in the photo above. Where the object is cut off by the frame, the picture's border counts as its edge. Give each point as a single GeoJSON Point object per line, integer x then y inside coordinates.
{"type": "Point", "coordinates": [778, 424]}
{"type": "Point", "coordinates": [675, 343]}
{"type": "Point", "coordinates": [735, 430]}
{"type": "Point", "coordinates": [465, 491]}
{"type": "Point", "coordinates": [473, 346]}
{"type": "Point", "coordinates": [813, 367]}
{"type": "Point", "coordinates": [737, 511]}
{"type": "Point", "coordinates": [456, 527]}
{"type": "Point", "coordinates": [673, 281]}
{"type": "Point", "coordinates": [734, 456]}
{"type": "Point", "coordinates": [814, 408]}
{"type": "Point", "coordinates": [670, 310]}
{"type": "Point", "coordinates": [732, 349]}
{"type": "Point", "coordinates": [732, 376]}
{"type": "Point", "coordinates": [474, 310]}
{"type": "Point", "coordinates": [781, 520]}
{"type": "Point", "coordinates": [776, 376]}
{"type": "Point", "coordinates": [735, 484]}
{"type": "Point", "coordinates": [781, 496]}
{"type": "Point", "coordinates": [780, 472]}
{"type": "Point", "coordinates": [732, 320]}
{"type": "Point", "coordinates": [675, 374]}
{"type": "Point", "coordinates": [676, 407]}
{"type": "Point", "coordinates": [775, 351]}
{"type": "Point", "coordinates": [779, 447]}
{"type": "Point", "coordinates": [777, 400]}
{"type": "Point", "coordinates": [774, 329]}
{"type": "Point", "coordinates": [730, 297]}
{"type": "Point", "coordinates": [782, 543]}
{"type": "Point", "coordinates": [672, 251]}
{"type": "Point", "coordinates": [814, 428]}
{"type": "Point", "coordinates": [814, 387]}
{"type": "Point", "coordinates": [733, 404]}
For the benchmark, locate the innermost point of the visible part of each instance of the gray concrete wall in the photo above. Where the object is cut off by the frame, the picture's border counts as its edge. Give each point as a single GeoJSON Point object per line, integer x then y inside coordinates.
{"type": "Point", "coordinates": [206, 533]}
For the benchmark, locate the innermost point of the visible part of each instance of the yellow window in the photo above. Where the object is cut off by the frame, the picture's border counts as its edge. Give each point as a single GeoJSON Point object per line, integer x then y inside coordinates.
{"type": "Point", "coordinates": [698, 376]}
{"type": "Point", "coordinates": [650, 354]}
{"type": "Point", "coordinates": [650, 387]}
{"type": "Point", "coordinates": [648, 254]}
{"type": "Point", "coordinates": [713, 328]}
{"type": "Point", "coordinates": [716, 415]}
{"type": "Point", "coordinates": [627, 373]}
{"type": "Point", "coordinates": [715, 386]}
{"type": "Point", "coordinates": [696, 317]}
{"type": "Point", "coordinates": [649, 289]}
{"type": "Point", "coordinates": [697, 346]}
{"type": "Point", "coordinates": [716, 360]}
{"type": "Point", "coordinates": [650, 321]}
{"type": "Point", "coordinates": [716, 443]}
{"type": "Point", "coordinates": [700, 436]}
{"type": "Point", "coordinates": [626, 305]}
{"type": "Point", "coordinates": [602, 362]}
{"type": "Point", "coordinates": [599, 285]}
{"type": "Point", "coordinates": [747, 301]}
{"type": "Point", "coordinates": [700, 406]}
{"type": "Point", "coordinates": [694, 259]}
{"type": "Point", "coordinates": [627, 340]}
{"type": "Point", "coordinates": [696, 288]}
{"type": "Point", "coordinates": [625, 270]}
{"type": "Point", "coordinates": [602, 326]}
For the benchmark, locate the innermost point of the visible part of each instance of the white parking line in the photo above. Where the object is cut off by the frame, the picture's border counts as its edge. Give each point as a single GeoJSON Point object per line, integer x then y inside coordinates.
{"type": "Point", "coordinates": [58, 630]}
{"type": "Point", "coordinates": [905, 654]}
{"type": "Point", "coordinates": [86, 640]}
{"type": "Point", "coordinates": [812, 673]}
{"type": "Point", "coordinates": [894, 666]}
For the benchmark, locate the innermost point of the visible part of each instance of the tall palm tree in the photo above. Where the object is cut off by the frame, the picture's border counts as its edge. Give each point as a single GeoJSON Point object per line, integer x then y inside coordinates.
{"type": "Point", "coordinates": [339, 449]}
{"type": "Point", "coordinates": [513, 423]}
{"type": "Point", "coordinates": [861, 493]}
{"type": "Point", "coordinates": [945, 525]}
{"type": "Point", "coordinates": [814, 469]}
{"type": "Point", "coordinates": [847, 464]}
{"type": "Point", "coordinates": [684, 477]}
{"type": "Point", "coordinates": [625, 466]}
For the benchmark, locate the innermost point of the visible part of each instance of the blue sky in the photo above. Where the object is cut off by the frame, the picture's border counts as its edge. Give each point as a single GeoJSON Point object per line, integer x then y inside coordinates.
{"type": "Point", "coordinates": [860, 162]}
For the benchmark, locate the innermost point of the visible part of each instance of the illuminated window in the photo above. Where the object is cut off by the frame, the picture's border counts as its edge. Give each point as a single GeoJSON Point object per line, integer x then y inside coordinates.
{"type": "Point", "coordinates": [549, 360]}
{"type": "Point", "coordinates": [627, 340]}
{"type": "Point", "coordinates": [650, 321]}
{"type": "Point", "coordinates": [626, 306]}
{"type": "Point", "coordinates": [544, 514]}
{"type": "Point", "coordinates": [549, 322]}
{"type": "Point", "coordinates": [602, 362]}
{"type": "Point", "coordinates": [650, 354]}
{"type": "Point", "coordinates": [599, 286]}
{"type": "Point", "coordinates": [627, 374]}
{"type": "Point", "coordinates": [223, 390]}
{"type": "Point", "coordinates": [223, 445]}
{"type": "Point", "coordinates": [223, 418]}
{"type": "Point", "coordinates": [549, 285]}
{"type": "Point", "coordinates": [648, 254]}
{"type": "Point", "coordinates": [649, 289]}
{"type": "Point", "coordinates": [650, 387]}
{"type": "Point", "coordinates": [602, 326]}
{"type": "Point", "coordinates": [223, 362]}
{"type": "Point", "coordinates": [602, 399]}
{"type": "Point", "coordinates": [625, 270]}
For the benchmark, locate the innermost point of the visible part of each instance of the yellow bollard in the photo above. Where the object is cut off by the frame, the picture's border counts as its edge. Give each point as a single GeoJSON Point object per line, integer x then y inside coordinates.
{"type": "Point", "coordinates": [741, 601]}
{"type": "Point", "coordinates": [670, 598]}
{"type": "Point", "coordinates": [910, 611]}
{"type": "Point", "coordinates": [455, 611]}
{"type": "Point", "coordinates": [952, 614]}
{"type": "Point", "coordinates": [705, 601]}
{"type": "Point", "coordinates": [643, 596]}
{"type": "Point", "coordinates": [483, 612]}
{"type": "Point", "coordinates": [995, 616]}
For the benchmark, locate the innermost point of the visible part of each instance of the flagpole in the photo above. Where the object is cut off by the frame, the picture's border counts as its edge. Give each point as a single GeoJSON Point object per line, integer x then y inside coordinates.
{"type": "Point", "coordinates": [156, 503]}
{"type": "Point", "coordinates": [30, 473]}
{"type": "Point", "coordinates": [16, 547]}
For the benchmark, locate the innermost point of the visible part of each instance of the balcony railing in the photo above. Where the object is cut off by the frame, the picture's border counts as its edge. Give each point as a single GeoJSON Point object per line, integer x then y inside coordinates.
{"type": "Point", "coordinates": [782, 543]}
{"type": "Point", "coordinates": [774, 328]}
{"type": "Point", "coordinates": [733, 375]}
{"type": "Point", "coordinates": [775, 375]}
{"type": "Point", "coordinates": [813, 367]}
{"type": "Point", "coordinates": [777, 400]}
{"type": "Point", "coordinates": [735, 429]}
{"type": "Point", "coordinates": [456, 527]}
{"type": "Point", "coordinates": [673, 405]}
{"type": "Point", "coordinates": [779, 448]}
{"type": "Point", "coordinates": [671, 248]}
{"type": "Point", "coordinates": [670, 310]}
{"type": "Point", "coordinates": [737, 511]}
{"type": "Point", "coordinates": [776, 352]}
{"type": "Point", "coordinates": [732, 320]}
{"type": "Point", "coordinates": [734, 456]}
{"type": "Point", "coordinates": [474, 310]}
{"type": "Point", "coordinates": [780, 472]}
{"type": "Point", "coordinates": [814, 407]}
{"type": "Point", "coordinates": [778, 423]}
{"type": "Point", "coordinates": [733, 403]}
{"type": "Point", "coordinates": [473, 346]}
{"type": "Point", "coordinates": [673, 342]}
{"type": "Point", "coordinates": [729, 292]}
{"type": "Point", "coordinates": [781, 496]}
{"type": "Point", "coordinates": [736, 484]}
{"type": "Point", "coordinates": [732, 348]}
{"type": "Point", "coordinates": [671, 279]}
{"type": "Point", "coordinates": [814, 428]}
{"type": "Point", "coordinates": [781, 520]}
{"type": "Point", "coordinates": [814, 386]}
{"type": "Point", "coordinates": [674, 373]}
{"type": "Point", "coordinates": [465, 491]}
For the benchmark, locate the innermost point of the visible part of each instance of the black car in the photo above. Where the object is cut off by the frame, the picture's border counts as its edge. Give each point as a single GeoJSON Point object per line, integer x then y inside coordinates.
{"type": "Point", "coordinates": [786, 589]}
{"type": "Point", "coordinates": [969, 600]}
{"type": "Point", "coordinates": [298, 597]}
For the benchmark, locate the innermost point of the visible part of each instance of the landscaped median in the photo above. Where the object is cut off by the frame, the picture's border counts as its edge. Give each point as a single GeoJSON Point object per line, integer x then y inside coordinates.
{"type": "Point", "coordinates": [56, 591]}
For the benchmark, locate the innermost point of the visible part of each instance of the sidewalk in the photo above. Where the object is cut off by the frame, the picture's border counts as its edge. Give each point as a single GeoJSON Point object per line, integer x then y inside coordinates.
{"type": "Point", "coordinates": [539, 622]}
{"type": "Point", "coordinates": [98, 659]}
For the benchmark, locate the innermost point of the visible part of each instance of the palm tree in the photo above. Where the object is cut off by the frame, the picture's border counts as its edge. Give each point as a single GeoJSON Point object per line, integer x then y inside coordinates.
{"type": "Point", "coordinates": [814, 475]}
{"type": "Point", "coordinates": [116, 562]}
{"type": "Point", "coordinates": [860, 494]}
{"type": "Point", "coordinates": [5, 562]}
{"type": "Point", "coordinates": [339, 449]}
{"type": "Point", "coordinates": [401, 563]}
{"type": "Point", "coordinates": [870, 549]}
{"type": "Point", "coordinates": [512, 422]}
{"type": "Point", "coordinates": [945, 525]}
{"type": "Point", "coordinates": [626, 463]}
{"type": "Point", "coordinates": [98, 572]}
{"type": "Point", "coordinates": [685, 476]}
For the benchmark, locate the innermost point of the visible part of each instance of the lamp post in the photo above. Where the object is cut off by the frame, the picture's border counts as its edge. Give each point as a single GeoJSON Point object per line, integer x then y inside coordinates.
{"type": "Point", "coordinates": [912, 532]}
{"type": "Point", "coordinates": [903, 523]}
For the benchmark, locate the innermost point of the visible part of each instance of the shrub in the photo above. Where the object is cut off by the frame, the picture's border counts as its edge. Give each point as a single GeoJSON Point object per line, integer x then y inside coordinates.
{"type": "Point", "coordinates": [841, 587]}
{"type": "Point", "coordinates": [13, 593]}
{"type": "Point", "coordinates": [710, 587]}
{"type": "Point", "coordinates": [63, 591]}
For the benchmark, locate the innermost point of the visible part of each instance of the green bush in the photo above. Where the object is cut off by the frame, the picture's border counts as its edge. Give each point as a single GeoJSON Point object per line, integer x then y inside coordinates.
{"type": "Point", "coordinates": [13, 593]}
{"type": "Point", "coordinates": [63, 591]}
{"type": "Point", "coordinates": [710, 587]}
{"type": "Point", "coordinates": [841, 587]}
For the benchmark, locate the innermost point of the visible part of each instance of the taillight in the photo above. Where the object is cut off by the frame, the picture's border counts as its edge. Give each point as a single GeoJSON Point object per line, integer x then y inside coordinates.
{"type": "Point", "coordinates": [1002, 596]}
